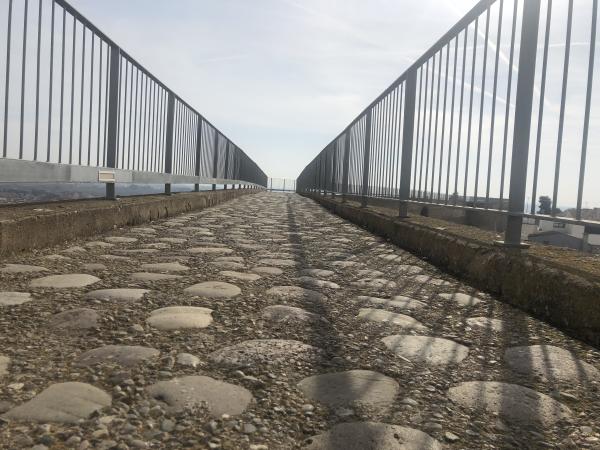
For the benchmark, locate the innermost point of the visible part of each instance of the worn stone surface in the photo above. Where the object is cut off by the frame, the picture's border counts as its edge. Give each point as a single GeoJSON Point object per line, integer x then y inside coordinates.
{"type": "Point", "coordinates": [240, 275]}
{"type": "Point", "coordinates": [352, 387]}
{"type": "Point", "coordinates": [371, 436]}
{"type": "Point", "coordinates": [62, 402]}
{"type": "Point", "coordinates": [4, 362]}
{"type": "Point", "coordinates": [486, 323]}
{"type": "Point", "coordinates": [426, 349]}
{"type": "Point", "coordinates": [183, 393]}
{"type": "Point", "coordinates": [149, 276]}
{"type": "Point", "coordinates": [22, 268]}
{"type": "Point", "coordinates": [14, 298]}
{"type": "Point", "coordinates": [216, 289]}
{"type": "Point", "coordinates": [124, 355]}
{"type": "Point", "coordinates": [73, 280]}
{"type": "Point", "coordinates": [397, 301]}
{"type": "Point", "coordinates": [552, 364]}
{"type": "Point", "coordinates": [401, 320]}
{"type": "Point", "coordinates": [511, 402]}
{"type": "Point", "coordinates": [122, 294]}
{"type": "Point", "coordinates": [462, 299]}
{"type": "Point", "coordinates": [317, 283]}
{"type": "Point", "coordinates": [179, 317]}
{"type": "Point", "coordinates": [80, 318]}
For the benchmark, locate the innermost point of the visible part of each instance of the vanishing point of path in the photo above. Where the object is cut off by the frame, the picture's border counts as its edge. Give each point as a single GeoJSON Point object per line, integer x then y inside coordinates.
{"type": "Point", "coordinates": [269, 323]}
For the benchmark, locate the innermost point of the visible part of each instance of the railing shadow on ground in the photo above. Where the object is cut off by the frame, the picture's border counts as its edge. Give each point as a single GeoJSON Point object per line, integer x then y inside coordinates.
{"type": "Point", "coordinates": [517, 331]}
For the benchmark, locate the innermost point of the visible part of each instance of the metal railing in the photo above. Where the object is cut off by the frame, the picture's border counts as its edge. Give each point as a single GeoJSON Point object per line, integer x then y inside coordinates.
{"type": "Point", "coordinates": [441, 133]}
{"type": "Point", "coordinates": [77, 108]}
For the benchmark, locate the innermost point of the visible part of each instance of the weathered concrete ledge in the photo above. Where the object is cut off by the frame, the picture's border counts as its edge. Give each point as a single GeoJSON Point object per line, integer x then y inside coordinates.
{"type": "Point", "coordinates": [25, 227]}
{"type": "Point", "coordinates": [565, 297]}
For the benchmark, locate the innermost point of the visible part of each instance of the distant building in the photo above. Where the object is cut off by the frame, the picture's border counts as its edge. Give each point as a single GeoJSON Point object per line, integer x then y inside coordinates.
{"type": "Point", "coordinates": [557, 239]}
{"type": "Point", "coordinates": [585, 238]}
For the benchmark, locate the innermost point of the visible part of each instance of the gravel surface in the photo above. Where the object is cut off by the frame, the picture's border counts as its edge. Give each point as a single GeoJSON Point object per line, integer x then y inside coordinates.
{"type": "Point", "coordinates": [301, 335]}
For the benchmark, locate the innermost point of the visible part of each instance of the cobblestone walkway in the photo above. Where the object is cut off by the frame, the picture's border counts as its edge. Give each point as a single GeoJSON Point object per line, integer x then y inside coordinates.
{"type": "Point", "coordinates": [268, 323]}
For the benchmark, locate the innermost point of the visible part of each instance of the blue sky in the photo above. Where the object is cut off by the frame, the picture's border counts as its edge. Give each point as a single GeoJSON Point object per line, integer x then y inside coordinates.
{"type": "Point", "coordinates": [280, 77]}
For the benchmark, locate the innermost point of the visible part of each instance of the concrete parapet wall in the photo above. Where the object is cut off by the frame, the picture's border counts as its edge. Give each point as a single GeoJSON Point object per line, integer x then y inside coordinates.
{"type": "Point", "coordinates": [27, 227]}
{"type": "Point", "coordinates": [568, 299]}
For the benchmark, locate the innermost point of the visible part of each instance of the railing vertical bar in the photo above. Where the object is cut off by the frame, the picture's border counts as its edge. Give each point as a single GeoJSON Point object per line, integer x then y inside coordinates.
{"type": "Point", "coordinates": [90, 112]}
{"type": "Point", "coordinates": [101, 45]}
{"type": "Point", "coordinates": [62, 87]}
{"type": "Point", "coordinates": [588, 102]}
{"type": "Point", "coordinates": [392, 143]}
{"type": "Point", "coordinates": [390, 151]}
{"type": "Point", "coordinates": [482, 103]}
{"type": "Point", "coordinates": [51, 82]}
{"type": "Point", "coordinates": [215, 157]}
{"type": "Point", "coordinates": [563, 101]}
{"type": "Point", "coordinates": [494, 96]}
{"type": "Point", "coordinates": [105, 149]}
{"type": "Point", "coordinates": [169, 139]}
{"type": "Point", "coordinates": [131, 113]}
{"type": "Point", "coordinates": [154, 136]}
{"type": "Point", "coordinates": [460, 115]}
{"type": "Point", "coordinates": [449, 163]}
{"type": "Point", "coordinates": [540, 120]}
{"type": "Point", "coordinates": [7, 81]}
{"type": "Point", "coordinates": [416, 152]}
{"type": "Point", "coordinates": [420, 192]}
{"type": "Point", "coordinates": [429, 135]}
{"type": "Point", "coordinates": [72, 89]}
{"type": "Point", "coordinates": [437, 114]}
{"type": "Point", "coordinates": [469, 125]}
{"type": "Point", "coordinates": [439, 191]}
{"type": "Point", "coordinates": [508, 97]}
{"type": "Point", "coordinates": [399, 135]}
{"type": "Point", "coordinates": [408, 129]}
{"type": "Point", "coordinates": [199, 123]}
{"type": "Point", "coordinates": [113, 116]}
{"type": "Point", "coordinates": [123, 111]}
{"type": "Point", "coordinates": [367, 159]}
{"type": "Point", "coordinates": [37, 83]}
{"type": "Point", "coordinates": [23, 68]}
{"type": "Point", "coordinates": [82, 90]}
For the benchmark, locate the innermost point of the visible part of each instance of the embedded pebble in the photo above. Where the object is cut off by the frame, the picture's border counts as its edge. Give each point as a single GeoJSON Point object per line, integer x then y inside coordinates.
{"type": "Point", "coordinates": [73, 280]}
{"type": "Point", "coordinates": [219, 397]}
{"type": "Point", "coordinates": [215, 289]}
{"type": "Point", "coordinates": [63, 403]}
{"type": "Point", "coordinates": [180, 317]}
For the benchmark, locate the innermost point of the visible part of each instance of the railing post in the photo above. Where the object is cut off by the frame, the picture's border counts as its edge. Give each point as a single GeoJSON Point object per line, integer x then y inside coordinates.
{"type": "Point", "coordinates": [408, 128]}
{"type": "Point", "coordinates": [169, 139]}
{"type": "Point", "coordinates": [333, 167]}
{"type": "Point", "coordinates": [113, 115]}
{"type": "Point", "coordinates": [367, 161]}
{"type": "Point", "coordinates": [198, 151]}
{"type": "Point", "coordinates": [522, 127]}
{"type": "Point", "coordinates": [215, 159]}
{"type": "Point", "coordinates": [226, 161]}
{"type": "Point", "coordinates": [346, 165]}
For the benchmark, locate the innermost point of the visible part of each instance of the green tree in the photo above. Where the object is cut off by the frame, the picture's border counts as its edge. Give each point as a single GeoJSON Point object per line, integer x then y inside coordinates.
{"type": "Point", "coordinates": [545, 206]}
